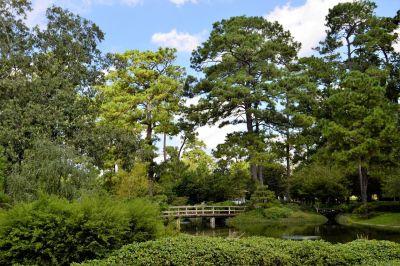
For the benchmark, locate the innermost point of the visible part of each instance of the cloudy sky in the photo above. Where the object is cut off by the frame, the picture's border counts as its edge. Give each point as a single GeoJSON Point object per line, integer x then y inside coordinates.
{"type": "Point", "coordinates": [183, 24]}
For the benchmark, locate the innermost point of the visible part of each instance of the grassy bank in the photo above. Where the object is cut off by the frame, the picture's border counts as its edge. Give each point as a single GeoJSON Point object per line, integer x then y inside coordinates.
{"type": "Point", "coordinates": [275, 221]}
{"type": "Point", "coordinates": [383, 221]}
{"type": "Point", "coordinates": [188, 250]}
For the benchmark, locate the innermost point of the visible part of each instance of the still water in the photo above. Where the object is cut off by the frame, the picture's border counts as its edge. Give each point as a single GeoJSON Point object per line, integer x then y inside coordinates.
{"type": "Point", "coordinates": [331, 231]}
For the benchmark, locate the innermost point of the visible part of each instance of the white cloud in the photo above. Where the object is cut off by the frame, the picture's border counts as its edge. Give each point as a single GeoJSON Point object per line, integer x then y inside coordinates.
{"type": "Point", "coordinates": [305, 22]}
{"type": "Point", "coordinates": [182, 2]}
{"type": "Point", "coordinates": [182, 41]}
{"type": "Point", "coordinates": [397, 44]}
{"type": "Point", "coordinates": [131, 2]}
{"type": "Point", "coordinates": [37, 15]}
{"type": "Point", "coordinates": [213, 135]}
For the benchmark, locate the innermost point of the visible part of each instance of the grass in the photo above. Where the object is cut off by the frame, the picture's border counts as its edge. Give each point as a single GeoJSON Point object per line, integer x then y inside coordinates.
{"type": "Point", "coordinates": [383, 221]}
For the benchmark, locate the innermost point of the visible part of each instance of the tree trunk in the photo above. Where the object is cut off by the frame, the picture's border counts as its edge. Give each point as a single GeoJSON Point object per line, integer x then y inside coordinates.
{"type": "Point", "coordinates": [348, 44]}
{"type": "Point", "coordinates": [253, 167]}
{"type": "Point", "coordinates": [165, 147]}
{"type": "Point", "coordinates": [288, 170]}
{"type": "Point", "coordinates": [149, 141]}
{"type": "Point", "coordinates": [363, 183]}
{"type": "Point", "coordinates": [260, 175]}
{"type": "Point", "coordinates": [287, 148]}
{"type": "Point", "coordinates": [181, 148]}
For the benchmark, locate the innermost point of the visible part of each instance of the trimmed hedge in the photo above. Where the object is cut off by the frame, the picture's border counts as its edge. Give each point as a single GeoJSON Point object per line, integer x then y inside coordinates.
{"type": "Point", "coordinates": [53, 231]}
{"type": "Point", "coordinates": [189, 250]}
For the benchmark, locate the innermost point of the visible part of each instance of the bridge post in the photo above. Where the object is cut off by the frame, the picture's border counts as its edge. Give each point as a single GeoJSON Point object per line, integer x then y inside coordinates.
{"type": "Point", "coordinates": [212, 222]}
{"type": "Point", "coordinates": [178, 224]}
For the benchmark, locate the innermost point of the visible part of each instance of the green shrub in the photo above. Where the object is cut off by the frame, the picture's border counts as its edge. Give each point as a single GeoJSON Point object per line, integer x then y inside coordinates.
{"type": "Point", "coordinates": [55, 231]}
{"type": "Point", "coordinates": [179, 201]}
{"type": "Point", "coordinates": [222, 203]}
{"type": "Point", "coordinates": [188, 250]}
{"type": "Point", "coordinates": [362, 209]}
{"type": "Point", "coordinates": [275, 213]}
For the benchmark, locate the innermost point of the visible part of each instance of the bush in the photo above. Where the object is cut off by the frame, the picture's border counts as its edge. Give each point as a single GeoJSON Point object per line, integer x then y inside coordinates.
{"type": "Point", "coordinates": [378, 206]}
{"type": "Point", "coordinates": [55, 231]}
{"type": "Point", "coordinates": [188, 250]}
{"type": "Point", "coordinates": [179, 201]}
{"type": "Point", "coordinates": [133, 184]}
{"type": "Point", "coordinates": [275, 213]}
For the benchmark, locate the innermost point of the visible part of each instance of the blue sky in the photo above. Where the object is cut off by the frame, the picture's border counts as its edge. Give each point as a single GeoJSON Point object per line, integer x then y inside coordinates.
{"type": "Point", "coordinates": [132, 24]}
{"type": "Point", "coordinates": [183, 24]}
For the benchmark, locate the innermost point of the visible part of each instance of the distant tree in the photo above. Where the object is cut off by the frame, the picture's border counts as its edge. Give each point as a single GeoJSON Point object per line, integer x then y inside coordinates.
{"type": "Point", "coordinates": [357, 78]}
{"type": "Point", "coordinates": [357, 38]}
{"type": "Point", "coordinates": [319, 182]}
{"type": "Point", "coordinates": [344, 22]}
{"type": "Point", "coordinates": [242, 56]}
{"type": "Point", "coordinates": [362, 124]}
{"type": "Point", "coordinates": [297, 97]}
{"type": "Point", "coordinates": [391, 183]}
{"type": "Point", "coordinates": [232, 182]}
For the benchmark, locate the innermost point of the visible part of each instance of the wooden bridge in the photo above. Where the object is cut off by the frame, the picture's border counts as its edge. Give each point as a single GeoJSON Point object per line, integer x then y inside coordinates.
{"type": "Point", "coordinates": [202, 211]}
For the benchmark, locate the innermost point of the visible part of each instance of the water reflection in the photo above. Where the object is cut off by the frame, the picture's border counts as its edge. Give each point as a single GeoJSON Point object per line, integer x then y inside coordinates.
{"type": "Point", "coordinates": [331, 231]}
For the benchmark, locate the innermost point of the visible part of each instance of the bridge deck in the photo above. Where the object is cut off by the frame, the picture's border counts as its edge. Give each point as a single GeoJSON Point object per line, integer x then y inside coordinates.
{"type": "Point", "coordinates": [202, 211]}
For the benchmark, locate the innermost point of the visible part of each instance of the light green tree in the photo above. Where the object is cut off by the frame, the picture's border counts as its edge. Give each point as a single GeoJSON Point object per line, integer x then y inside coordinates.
{"type": "Point", "coordinates": [143, 93]}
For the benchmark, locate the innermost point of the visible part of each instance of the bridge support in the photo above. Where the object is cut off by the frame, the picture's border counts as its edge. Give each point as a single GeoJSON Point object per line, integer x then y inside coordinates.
{"type": "Point", "coordinates": [178, 224]}
{"type": "Point", "coordinates": [212, 222]}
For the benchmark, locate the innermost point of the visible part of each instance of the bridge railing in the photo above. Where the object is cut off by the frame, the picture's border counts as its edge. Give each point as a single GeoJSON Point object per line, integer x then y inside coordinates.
{"type": "Point", "coordinates": [202, 211]}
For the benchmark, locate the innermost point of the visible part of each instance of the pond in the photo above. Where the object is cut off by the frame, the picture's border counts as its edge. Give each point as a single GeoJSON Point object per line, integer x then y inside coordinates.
{"type": "Point", "coordinates": [331, 231]}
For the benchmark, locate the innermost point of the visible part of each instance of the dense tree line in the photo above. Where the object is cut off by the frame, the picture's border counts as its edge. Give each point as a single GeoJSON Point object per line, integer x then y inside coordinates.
{"type": "Point", "coordinates": [317, 128]}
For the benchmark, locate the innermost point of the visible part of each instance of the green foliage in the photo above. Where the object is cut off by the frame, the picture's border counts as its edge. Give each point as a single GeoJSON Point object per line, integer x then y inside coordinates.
{"type": "Point", "coordinates": [318, 182]}
{"type": "Point", "coordinates": [262, 197]}
{"type": "Point", "coordinates": [362, 124]}
{"type": "Point", "coordinates": [131, 184]}
{"type": "Point", "coordinates": [378, 206]}
{"type": "Point", "coordinates": [179, 201]}
{"type": "Point", "coordinates": [391, 184]}
{"type": "Point", "coordinates": [187, 250]}
{"type": "Point", "coordinates": [275, 213]}
{"type": "Point", "coordinates": [53, 169]}
{"type": "Point", "coordinates": [143, 93]}
{"type": "Point", "coordinates": [198, 178]}
{"type": "Point", "coordinates": [51, 95]}
{"type": "Point", "coordinates": [3, 166]}
{"type": "Point", "coordinates": [57, 232]}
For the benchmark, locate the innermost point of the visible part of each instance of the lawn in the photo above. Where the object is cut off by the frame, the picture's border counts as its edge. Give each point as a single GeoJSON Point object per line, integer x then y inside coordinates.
{"type": "Point", "coordinates": [384, 221]}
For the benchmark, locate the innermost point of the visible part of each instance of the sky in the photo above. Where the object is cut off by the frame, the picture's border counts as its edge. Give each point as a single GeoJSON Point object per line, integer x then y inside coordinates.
{"type": "Point", "coordinates": [184, 24]}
